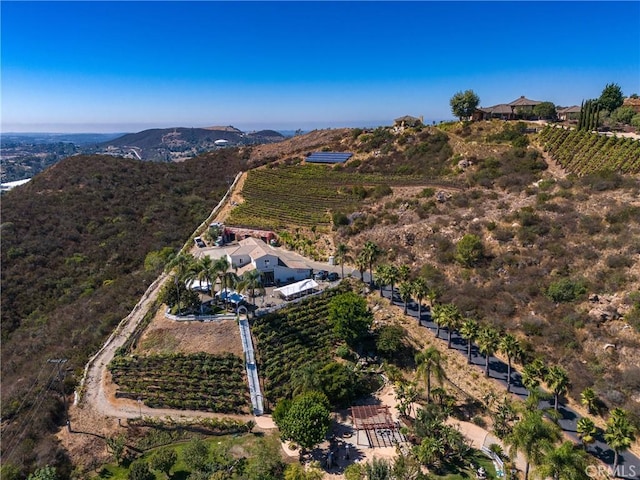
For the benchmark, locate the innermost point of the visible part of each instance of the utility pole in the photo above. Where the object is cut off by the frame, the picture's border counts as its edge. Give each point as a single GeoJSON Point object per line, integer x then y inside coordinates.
{"type": "Point", "coordinates": [61, 375]}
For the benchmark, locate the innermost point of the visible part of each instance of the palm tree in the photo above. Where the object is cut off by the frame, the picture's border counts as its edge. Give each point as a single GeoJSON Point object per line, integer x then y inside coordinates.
{"type": "Point", "coordinates": [382, 276]}
{"type": "Point", "coordinates": [406, 289]}
{"type": "Point", "coordinates": [565, 462]}
{"type": "Point", "coordinates": [529, 436]}
{"type": "Point", "coordinates": [220, 266]}
{"type": "Point", "coordinates": [361, 264]}
{"type": "Point", "coordinates": [429, 362]}
{"type": "Point", "coordinates": [530, 378]}
{"type": "Point", "coordinates": [557, 379]}
{"type": "Point", "coordinates": [488, 341]}
{"type": "Point", "coordinates": [589, 400]}
{"type": "Point", "coordinates": [205, 272]}
{"type": "Point", "coordinates": [371, 254]}
{"type": "Point", "coordinates": [250, 281]}
{"type": "Point", "coordinates": [183, 266]}
{"type": "Point", "coordinates": [510, 346]}
{"type": "Point", "coordinates": [586, 431]}
{"type": "Point", "coordinates": [447, 316]}
{"type": "Point", "coordinates": [342, 255]}
{"type": "Point", "coordinates": [392, 277]}
{"type": "Point", "coordinates": [420, 289]}
{"type": "Point", "coordinates": [469, 331]}
{"type": "Point", "coordinates": [403, 273]}
{"type": "Point", "coordinates": [619, 435]}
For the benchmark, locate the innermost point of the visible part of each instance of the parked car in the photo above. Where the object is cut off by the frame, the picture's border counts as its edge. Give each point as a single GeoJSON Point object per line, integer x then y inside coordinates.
{"type": "Point", "coordinates": [333, 276]}
{"type": "Point", "coordinates": [320, 275]}
{"type": "Point", "coordinates": [199, 242]}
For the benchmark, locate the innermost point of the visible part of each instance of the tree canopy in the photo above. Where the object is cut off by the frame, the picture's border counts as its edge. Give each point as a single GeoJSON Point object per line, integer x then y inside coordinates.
{"type": "Point", "coordinates": [307, 420]}
{"type": "Point", "coordinates": [350, 317]}
{"type": "Point", "coordinates": [545, 110]}
{"type": "Point", "coordinates": [463, 104]}
{"type": "Point", "coordinates": [611, 97]}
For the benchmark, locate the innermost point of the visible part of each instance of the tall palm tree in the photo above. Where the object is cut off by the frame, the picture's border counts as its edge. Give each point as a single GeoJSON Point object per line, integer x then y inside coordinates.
{"type": "Point", "coordinates": [510, 346]}
{"type": "Point", "coordinates": [182, 264]}
{"type": "Point", "coordinates": [557, 379]}
{"type": "Point", "coordinates": [488, 342]}
{"type": "Point", "coordinates": [392, 277]}
{"type": "Point", "coordinates": [420, 289]}
{"type": "Point", "coordinates": [531, 436]}
{"type": "Point", "coordinates": [586, 430]}
{"type": "Point", "coordinates": [447, 316]}
{"type": "Point", "coordinates": [619, 435]}
{"type": "Point", "coordinates": [403, 273]}
{"type": "Point", "coordinates": [205, 272]}
{"type": "Point", "coordinates": [589, 399]}
{"type": "Point", "coordinates": [406, 290]}
{"type": "Point", "coordinates": [429, 362]}
{"type": "Point", "coordinates": [382, 276]}
{"type": "Point", "coordinates": [361, 264]}
{"type": "Point", "coordinates": [530, 378]}
{"type": "Point", "coordinates": [469, 331]}
{"type": "Point", "coordinates": [250, 281]}
{"type": "Point", "coordinates": [220, 266]}
{"type": "Point", "coordinates": [342, 255]}
{"type": "Point", "coordinates": [565, 462]}
{"type": "Point", "coordinates": [371, 254]}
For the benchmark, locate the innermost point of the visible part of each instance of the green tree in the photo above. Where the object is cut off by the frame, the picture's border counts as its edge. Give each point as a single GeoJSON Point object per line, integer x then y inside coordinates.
{"type": "Point", "coordinates": [350, 317]}
{"type": "Point", "coordinates": [619, 434]}
{"type": "Point", "coordinates": [361, 264]}
{"type": "Point", "coordinates": [545, 110]}
{"type": "Point", "coordinates": [265, 462]}
{"type": "Point", "coordinates": [139, 470]}
{"type": "Point", "coordinates": [307, 420]}
{"type": "Point", "coordinates": [611, 97]}
{"type": "Point", "coordinates": [565, 462]}
{"type": "Point", "coordinates": [355, 471]}
{"type": "Point", "coordinates": [163, 460]}
{"type": "Point", "coordinates": [510, 346]}
{"type": "Point", "coordinates": [586, 430]}
{"type": "Point", "coordinates": [371, 253]}
{"type": "Point", "coordinates": [448, 316]}
{"type": "Point", "coordinates": [530, 378]}
{"type": "Point", "coordinates": [532, 436]}
{"type": "Point", "coordinates": [420, 290]}
{"type": "Point", "coordinates": [382, 276]}
{"type": "Point", "coordinates": [623, 115]}
{"type": "Point", "coordinates": [338, 382]}
{"type": "Point", "coordinates": [558, 380]}
{"type": "Point", "coordinates": [463, 104]}
{"type": "Point", "coordinates": [589, 400]}
{"type": "Point", "coordinates": [488, 342]}
{"type": "Point", "coordinates": [469, 250]}
{"type": "Point", "coordinates": [390, 338]}
{"type": "Point", "coordinates": [378, 469]}
{"type": "Point", "coordinates": [44, 473]}
{"type": "Point", "coordinates": [469, 331]}
{"type": "Point", "coordinates": [341, 255]}
{"type": "Point", "coordinates": [295, 471]}
{"type": "Point", "coordinates": [406, 290]}
{"type": "Point", "coordinates": [429, 362]}
{"type": "Point", "coordinates": [196, 455]}
{"type": "Point", "coordinates": [116, 446]}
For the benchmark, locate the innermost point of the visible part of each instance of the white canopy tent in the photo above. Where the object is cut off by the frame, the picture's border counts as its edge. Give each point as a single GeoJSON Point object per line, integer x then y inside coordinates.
{"type": "Point", "coordinates": [298, 289]}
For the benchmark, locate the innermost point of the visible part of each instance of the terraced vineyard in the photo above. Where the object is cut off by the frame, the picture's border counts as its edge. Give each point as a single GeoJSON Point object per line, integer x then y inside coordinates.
{"type": "Point", "coordinates": [291, 337]}
{"type": "Point", "coordinates": [582, 152]}
{"type": "Point", "coordinates": [200, 381]}
{"type": "Point", "coordinates": [303, 195]}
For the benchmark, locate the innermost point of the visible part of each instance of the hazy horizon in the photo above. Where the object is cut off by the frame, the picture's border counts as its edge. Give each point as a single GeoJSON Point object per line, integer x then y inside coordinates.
{"type": "Point", "coordinates": [105, 67]}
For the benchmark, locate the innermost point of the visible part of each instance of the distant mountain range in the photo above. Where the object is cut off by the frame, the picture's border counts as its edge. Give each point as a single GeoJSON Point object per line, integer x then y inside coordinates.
{"type": "Point", "coordinates": [175, 144]}
{"type": "Point", "coordinates": [24, 155]}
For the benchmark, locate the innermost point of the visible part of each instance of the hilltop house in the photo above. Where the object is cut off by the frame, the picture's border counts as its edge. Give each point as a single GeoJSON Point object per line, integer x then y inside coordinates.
{"type": "Point", "coordinates": [633, 103]}
{"type": "Point", "coordinates": [253, 253]}
{"type": "Point", "coordinates": [408, 121]}
{"type": "Point", "coordinates": [568, 113]}
{"type": "Point", "coordinates": [507, 111]}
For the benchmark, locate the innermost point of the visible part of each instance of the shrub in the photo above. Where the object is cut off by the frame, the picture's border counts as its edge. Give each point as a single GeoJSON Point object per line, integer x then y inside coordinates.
{"type": "Point", "coordinates": [566, 290]}
{"type": "Point", "coordinates": [469, 250]}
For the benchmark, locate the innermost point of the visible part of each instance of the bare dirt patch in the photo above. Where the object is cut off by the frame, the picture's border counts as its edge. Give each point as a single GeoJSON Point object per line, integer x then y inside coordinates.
{"type": "Point", "coordinates": [168, 336]}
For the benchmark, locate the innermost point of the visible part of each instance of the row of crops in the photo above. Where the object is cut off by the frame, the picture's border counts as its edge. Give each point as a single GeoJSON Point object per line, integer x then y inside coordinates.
{"type": "Point", "coordinates": [582, 152]}
{"type": "Point", "coordinates": [292, 337]}
{"type": "Point", "coordinates": [302, 195]}
{"type": "Point", "coordinates": [214, 383]}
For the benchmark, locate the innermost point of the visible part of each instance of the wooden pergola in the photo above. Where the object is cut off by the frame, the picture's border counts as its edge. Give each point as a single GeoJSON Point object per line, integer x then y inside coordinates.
{"type": "Point", "coordinates": [378, 425]}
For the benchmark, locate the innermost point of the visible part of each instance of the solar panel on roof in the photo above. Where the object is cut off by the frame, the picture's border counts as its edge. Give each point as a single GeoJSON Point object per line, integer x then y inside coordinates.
{"type": "Point", "coordinates": [329, 157]}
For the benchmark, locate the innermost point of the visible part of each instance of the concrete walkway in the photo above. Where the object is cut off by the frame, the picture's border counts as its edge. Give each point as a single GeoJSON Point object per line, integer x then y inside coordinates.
{"type": "Point", "coordinates": [252, 369]}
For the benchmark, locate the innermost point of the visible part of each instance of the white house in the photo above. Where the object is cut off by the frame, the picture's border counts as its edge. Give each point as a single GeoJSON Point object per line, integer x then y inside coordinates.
{"type": "Point", "coordinates": [253, 253]}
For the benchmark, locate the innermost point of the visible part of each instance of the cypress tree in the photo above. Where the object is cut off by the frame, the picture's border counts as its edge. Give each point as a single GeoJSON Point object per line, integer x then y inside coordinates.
{"type": "Point", "coordinates": [581, 117]}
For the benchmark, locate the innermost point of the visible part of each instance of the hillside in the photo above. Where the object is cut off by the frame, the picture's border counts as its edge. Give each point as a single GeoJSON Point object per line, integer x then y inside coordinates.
{"type": "Point", "coordinates": [75, 241]}
{"type": "Point", "coordinates": [167, 144]}
{"type": "Point", "coordinates": [76, 257]}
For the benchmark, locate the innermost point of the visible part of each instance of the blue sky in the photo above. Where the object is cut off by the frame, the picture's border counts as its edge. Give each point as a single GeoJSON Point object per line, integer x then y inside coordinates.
{"type": "Point", "coordinates": [127, 66]}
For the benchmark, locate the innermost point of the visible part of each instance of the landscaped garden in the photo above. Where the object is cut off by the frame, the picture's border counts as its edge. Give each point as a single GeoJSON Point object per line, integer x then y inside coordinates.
{"type": "Point", "coordinates": [200, 381]}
